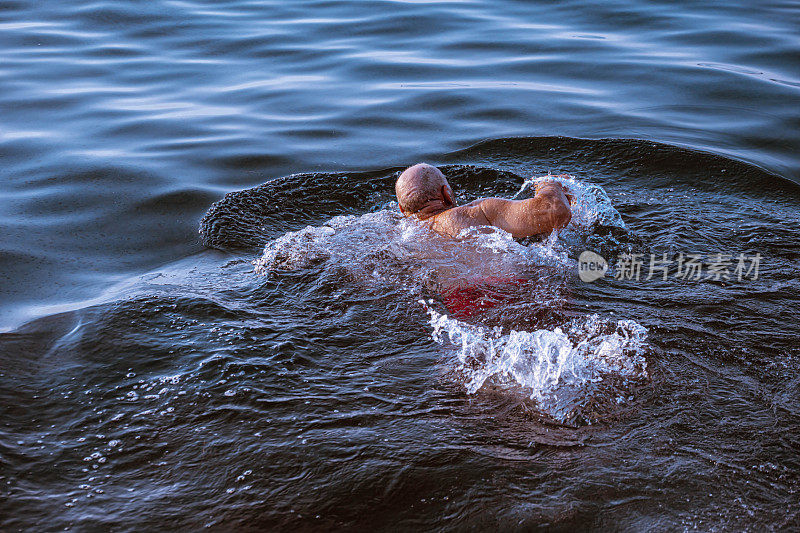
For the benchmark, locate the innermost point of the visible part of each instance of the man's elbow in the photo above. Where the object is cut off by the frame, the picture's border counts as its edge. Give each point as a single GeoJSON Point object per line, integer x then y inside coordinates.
{"type": "Point", "coordinates": [561, 216]}
{"type": "Point", "coordinates": [557, 205]}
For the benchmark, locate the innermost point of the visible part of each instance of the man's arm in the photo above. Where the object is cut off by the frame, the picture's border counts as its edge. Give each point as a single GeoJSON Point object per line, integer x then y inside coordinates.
{"type": "Point", "coordinates": [547, 211]}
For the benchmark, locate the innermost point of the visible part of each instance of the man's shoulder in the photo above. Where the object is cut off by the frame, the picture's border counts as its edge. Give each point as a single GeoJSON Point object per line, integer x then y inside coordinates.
{"type": "Point", "coordinates": [480, 204]}
{"type": "Point", "coordinates": [485, 209]}
{"type": "Point", "coordinates": [461, 217]}
{"type": "Point", "coordinates": [472, 210]}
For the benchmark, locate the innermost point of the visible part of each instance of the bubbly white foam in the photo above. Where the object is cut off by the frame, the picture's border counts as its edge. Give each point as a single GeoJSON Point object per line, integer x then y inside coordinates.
{"type": "Point", "coordinates": [386, 246]}
{"type": "Point", "coordinates": [550, 365]}
{"type": "Point", "coordinates": [342, 238]}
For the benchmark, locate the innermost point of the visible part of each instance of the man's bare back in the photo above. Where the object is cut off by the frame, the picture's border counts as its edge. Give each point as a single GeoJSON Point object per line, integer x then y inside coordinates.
{"type": "Point", "coordinates": [423, 192]}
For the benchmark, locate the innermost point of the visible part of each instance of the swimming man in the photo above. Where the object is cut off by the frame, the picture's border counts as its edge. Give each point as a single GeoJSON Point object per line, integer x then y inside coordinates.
{"type": "Point", "coordinates": [423, 192]}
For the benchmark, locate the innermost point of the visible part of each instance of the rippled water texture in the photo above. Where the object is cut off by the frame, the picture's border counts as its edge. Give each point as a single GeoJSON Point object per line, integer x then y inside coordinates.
{"type": "Point", "coordinates": [307, 362]}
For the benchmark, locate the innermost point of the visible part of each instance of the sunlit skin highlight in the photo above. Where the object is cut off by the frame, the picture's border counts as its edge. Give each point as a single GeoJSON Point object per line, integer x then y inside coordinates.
{"type": "Point", "coordinates": [423, 192]}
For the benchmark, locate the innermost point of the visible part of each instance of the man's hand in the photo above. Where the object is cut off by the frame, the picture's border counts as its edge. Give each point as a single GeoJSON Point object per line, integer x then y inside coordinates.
{"type": "Point", "coordinates": [553, 183]}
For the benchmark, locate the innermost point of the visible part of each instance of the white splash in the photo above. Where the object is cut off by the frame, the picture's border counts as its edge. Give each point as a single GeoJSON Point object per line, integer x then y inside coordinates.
{"type": "Point", "coordinates": [296, 249]}
{"type": "Point", "coordinates": [342, 237]}
{"type": "Point", "coordinates": [382, 244]}
{"type": "Point", "coordinates": [552, 366]}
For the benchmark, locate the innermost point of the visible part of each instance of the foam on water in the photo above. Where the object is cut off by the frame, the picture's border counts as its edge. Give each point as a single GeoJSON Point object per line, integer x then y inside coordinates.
{"type": "Point", "coordinates": [383, 244]}
{"type": "Point", "coordinates": [552, 366]}
{"type": "Point", "coordinates": [555, 367]}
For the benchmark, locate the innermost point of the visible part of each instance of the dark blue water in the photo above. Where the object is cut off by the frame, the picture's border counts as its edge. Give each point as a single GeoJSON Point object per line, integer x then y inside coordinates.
{"type": "Point", "coordinates": [148, 382]}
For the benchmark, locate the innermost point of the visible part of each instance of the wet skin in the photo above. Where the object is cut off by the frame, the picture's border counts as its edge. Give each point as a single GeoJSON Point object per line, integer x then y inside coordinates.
{"type": "Point", "coordinates": [548, 211]}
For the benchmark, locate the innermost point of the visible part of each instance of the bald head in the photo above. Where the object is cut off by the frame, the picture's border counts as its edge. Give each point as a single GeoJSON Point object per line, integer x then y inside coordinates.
{"type": "Point", "coordinates": [421, 185]}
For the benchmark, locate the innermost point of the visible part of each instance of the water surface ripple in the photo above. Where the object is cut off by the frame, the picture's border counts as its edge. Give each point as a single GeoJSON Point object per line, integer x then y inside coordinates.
{"type": "Point", "coordinates": [151, 379]}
